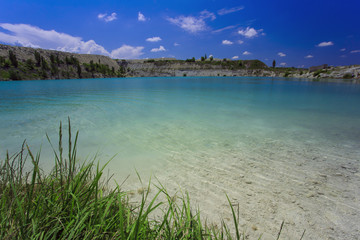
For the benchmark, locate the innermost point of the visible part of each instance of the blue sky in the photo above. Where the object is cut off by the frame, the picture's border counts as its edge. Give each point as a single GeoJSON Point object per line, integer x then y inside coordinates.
{"type": "Point", "coordinates": [294, 33]}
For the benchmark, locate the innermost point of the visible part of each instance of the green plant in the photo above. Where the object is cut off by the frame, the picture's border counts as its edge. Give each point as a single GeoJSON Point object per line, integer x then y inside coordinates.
{"type": "Point", "coordinates": [317, 73]}
{"type": "Point", "coordinates": [29, 64]}
{"type": "Point", "coordinates": [14, 75]}
{"type": "Point", "coordinates": [2, 61]}
{"type": "Point", "coordinates": [12, 58]}
{"type": "Point", "coordinates": [347, 76]}
{"type": "Point", "coordinates": [37, 58]}
{"type": "Point", "coordinates": [73, 201]}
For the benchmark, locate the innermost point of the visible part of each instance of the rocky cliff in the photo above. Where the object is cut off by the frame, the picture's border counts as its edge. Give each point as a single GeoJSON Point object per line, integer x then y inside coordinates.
{"type": "Point", "coordinates": [21, 63]}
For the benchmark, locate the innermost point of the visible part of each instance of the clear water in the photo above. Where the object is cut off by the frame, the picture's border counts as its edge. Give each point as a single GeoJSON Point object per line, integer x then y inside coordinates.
{"type": "Point", "coordinates": [146, 121]}
{"type": "Point", "coordinates": [285, 150]}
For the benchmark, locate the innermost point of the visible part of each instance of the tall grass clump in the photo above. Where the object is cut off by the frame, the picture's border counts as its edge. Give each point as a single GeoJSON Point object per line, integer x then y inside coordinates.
{"type": "Point", "coordinates": [73, 201]}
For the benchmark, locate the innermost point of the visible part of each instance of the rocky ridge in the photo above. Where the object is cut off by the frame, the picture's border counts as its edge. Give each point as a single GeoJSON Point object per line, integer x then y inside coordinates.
{"type": "Point", "coordinates": [61, 65]}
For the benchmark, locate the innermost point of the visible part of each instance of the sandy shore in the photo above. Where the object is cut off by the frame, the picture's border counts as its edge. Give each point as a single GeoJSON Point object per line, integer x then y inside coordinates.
{"type": "Point", "coordinates": [316, 189]}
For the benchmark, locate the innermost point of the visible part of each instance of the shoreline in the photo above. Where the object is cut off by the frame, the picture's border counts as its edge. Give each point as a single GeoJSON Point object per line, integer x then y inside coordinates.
{"type": "Point", "coordinates": [40, 64]}
{"type": "Point", "coordinates": [289, 79]}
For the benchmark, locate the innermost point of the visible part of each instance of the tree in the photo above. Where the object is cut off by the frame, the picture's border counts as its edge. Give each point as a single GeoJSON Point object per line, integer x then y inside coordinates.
{"type": "Point", "coordinates": [13, 59]}
{"type": "Point", "coordinates": [2, 61]}
{"type": "Point", "coordinates": [44, 65]}
{"type": "Point", "coordinates": [202, 59]}
{"type": "Point", "coordinates": [29, 64]}
{"type": "Point", "coordinates": [37, 58]}
{"type": "Point", "coordinates": [79, 70]}
{"type": "Point", "coordinates": [52, 58]}
{"type": "Point", "coordinates": [205, 56]}
{"type": "Point", "coordinates": [14, 75]}
{"type": "Point", "coordinates": [274, 64]}
{"type": "Point", "coordinates": [211, 58]}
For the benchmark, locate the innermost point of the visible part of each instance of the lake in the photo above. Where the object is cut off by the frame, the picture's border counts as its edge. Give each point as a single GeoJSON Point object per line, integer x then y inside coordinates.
{"type": "Point", "coordinates": [287, 150]}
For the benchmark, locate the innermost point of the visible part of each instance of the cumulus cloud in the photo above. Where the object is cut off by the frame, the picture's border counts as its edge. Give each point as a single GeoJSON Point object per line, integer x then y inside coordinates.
{"type": "Point", "coordinates": [281, 54]}
{"type": "Point", "coordinates": [225, 11]}
{"type": "Point", "coordinates": [127, 52]}
{"type": "Point", "coordinates": [283, 64]}
{"type": "Point", "coordinates": [325, 44]}
{"type": "Point", "coordinates": [193, 24]}
{"type": "Point", "coordinates": [176, 44]}
{"type": "Point", "coordinates": [153, 39]}
{"type": "Point", "coordinates": [309, 56]}
{"type": "Point", "coordinates": [107, 18]}
{"type": "Point", "coordinates": [246, 53]}
{"type": "Point", "coordinates": [227, 42]}
{"type": "Point", "coordinates": [343, 49]}
{"type": "Point", "coordinates": [240, 42]}
{"type": "Point", "coordinates": [250, 32]}
{"type": "Point", "coordinates": [235, 57]}
{"type": "Point", "coordinates": [160, 49]}
{"type": "Point", "coordinates": [32, 36]}
{"type": "Point", "coordinates": [355, 51]}
{"type": "Point", "coordinates": [141, 17]}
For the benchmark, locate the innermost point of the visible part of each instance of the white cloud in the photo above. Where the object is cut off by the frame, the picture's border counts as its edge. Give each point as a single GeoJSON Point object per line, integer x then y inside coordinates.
{"type": "Point", "coordinates": [240, 42]}
{"type": "Point", "coordinates": [101, 15]}
{"type": "Point", "coordinates": [107, 18]}
{"type": "Point", "coordinates": [190, 24]}
{"type": "Point", "coordinates": [355, 51]}
{"type": "Point", "coordinates": [283, 64]}
{"type": "Point", "coordinates": [250, 32]}
{"type": "Point", "coordinates": [206, 14]}
{"type": "Point", "coordinates": [227, 42]}
{"type": "Point", "coordinates": [246, 53]}
{"type": "Point", "coordinates": [193, 24]}
{"type": "Point", "coordinates": [235, 57]}
{"type": "Point", "coordinates": [160, 49]}
{"type": "Point", "coordinates": [31, 36]}
{"type": "Point", "coordinates": [325, 44]}
{"type": "Point", "coordinates": [229, 10]}
{"type": "Point", "coordinates": [343, 49]}
{"type": "Point", "coordinates": [176, 44]}
{"type": "Point", "coordinates": [141, 17]}
{"type": "Point", "coordinates": [281, 54]}
{"type": "Point", "coordinates": [153, 39]}
{"type": "Point", "coordinates": [309, 56]}
{"type": "Point", "coordinates": [127, 52]}
{"type": "Point", "coordinates": [223, 29]}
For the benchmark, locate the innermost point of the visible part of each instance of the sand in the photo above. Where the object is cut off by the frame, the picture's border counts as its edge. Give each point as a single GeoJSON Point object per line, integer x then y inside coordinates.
{"type": "Point", "coordinates": [309, 187]}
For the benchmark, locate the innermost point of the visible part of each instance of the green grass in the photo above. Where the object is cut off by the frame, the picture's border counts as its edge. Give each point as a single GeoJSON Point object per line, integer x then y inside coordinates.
{"type": "Point", "coordinates": [73, 201]}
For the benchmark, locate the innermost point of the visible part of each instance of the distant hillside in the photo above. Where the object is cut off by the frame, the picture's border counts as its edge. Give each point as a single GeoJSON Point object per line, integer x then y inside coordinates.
{"type": "Point", "coordinates": [22, 63]}
{"type": "Point", "coordinates": [28, 63]}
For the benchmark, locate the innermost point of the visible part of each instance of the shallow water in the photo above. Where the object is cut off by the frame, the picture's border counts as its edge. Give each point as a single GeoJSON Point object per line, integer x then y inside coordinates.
{"type": "Point", "coordinates": [188, 128]}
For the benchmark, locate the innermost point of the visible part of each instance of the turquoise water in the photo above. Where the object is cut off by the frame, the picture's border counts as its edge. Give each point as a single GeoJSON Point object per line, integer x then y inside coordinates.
{"type": "Point", "coordinates": [146, 121]}
{"type": "Point", "coordinates": [285, 150]}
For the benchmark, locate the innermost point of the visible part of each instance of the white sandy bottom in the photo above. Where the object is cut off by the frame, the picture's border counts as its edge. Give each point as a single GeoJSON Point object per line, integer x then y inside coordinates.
{"type": "Point", "coordinates": [270, 181]}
